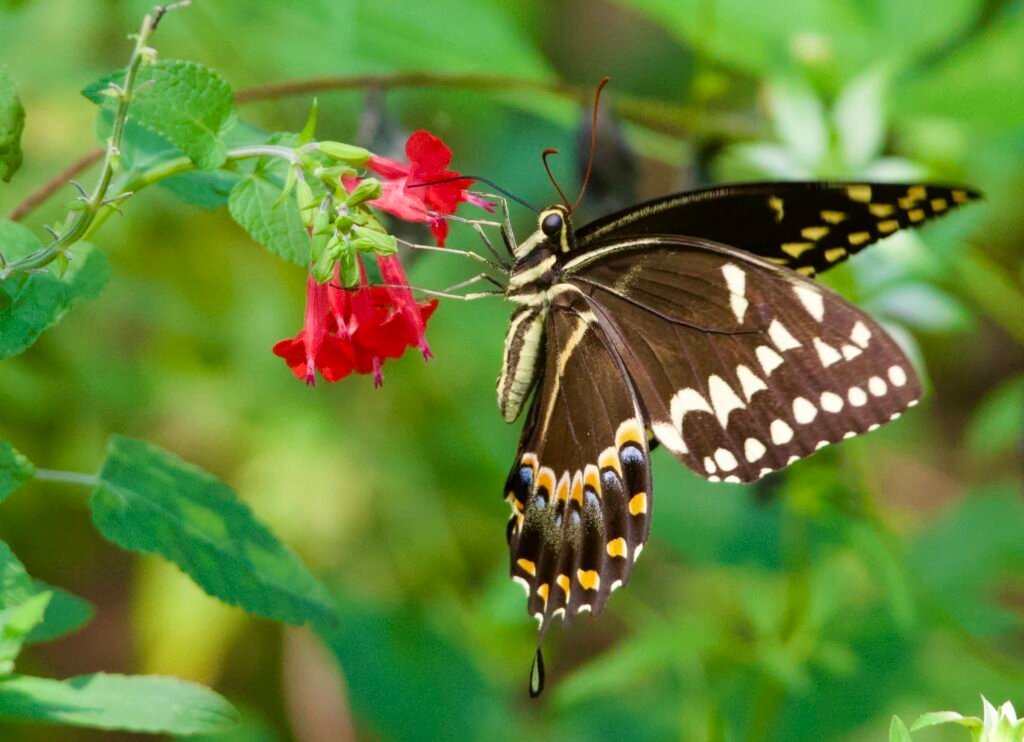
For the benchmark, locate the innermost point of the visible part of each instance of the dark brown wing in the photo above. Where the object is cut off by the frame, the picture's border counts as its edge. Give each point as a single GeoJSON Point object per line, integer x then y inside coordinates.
{"type": "Point", "coordinates": [741, 366]}
{"type": "Point", "coordinates": [580, 488]}
{"type": "Point", "coordinates": [809, 227]}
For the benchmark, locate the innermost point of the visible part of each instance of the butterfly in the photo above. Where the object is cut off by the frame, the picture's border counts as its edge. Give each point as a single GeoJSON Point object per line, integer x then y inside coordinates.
{"type": "Point", "coordinates": [691, 322]}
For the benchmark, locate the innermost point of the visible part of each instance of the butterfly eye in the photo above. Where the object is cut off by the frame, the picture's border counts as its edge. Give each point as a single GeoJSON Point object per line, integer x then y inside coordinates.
{"type": "Point", "coordinates": [552, 225]}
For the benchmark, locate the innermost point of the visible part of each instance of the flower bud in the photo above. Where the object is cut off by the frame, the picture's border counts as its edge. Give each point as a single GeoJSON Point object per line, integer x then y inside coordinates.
{"type": "Point", "coordinates": [367, 190]}
{"type": "Point", "coordinates": [370, 240]}
{"type": "Point", "coordinates": [306, 201]}
{"type": "Point", "coordinates": [347, 153]}
{"type": "Point", "coordinates": [348, 269]}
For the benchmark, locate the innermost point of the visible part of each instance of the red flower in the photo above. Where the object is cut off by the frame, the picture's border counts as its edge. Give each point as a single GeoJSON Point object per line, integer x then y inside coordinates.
{"type": "Point", "coordinates": [350, 330]}
{"type": "Point", "coordinates": [428, 162]}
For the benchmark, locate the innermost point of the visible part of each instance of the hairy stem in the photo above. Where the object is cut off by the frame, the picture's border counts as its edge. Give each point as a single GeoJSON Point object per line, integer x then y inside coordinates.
{"type": "Point", "coordinates": [67, 477]}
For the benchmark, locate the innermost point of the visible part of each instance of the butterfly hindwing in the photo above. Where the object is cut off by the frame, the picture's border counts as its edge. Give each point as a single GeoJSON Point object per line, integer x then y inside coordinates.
{"type": "Point", "coordinates": [742, 367]}
{"type": "Point", "coordinates": [809, 227]}
{"type": "Point", "coordinates": [580, 488]}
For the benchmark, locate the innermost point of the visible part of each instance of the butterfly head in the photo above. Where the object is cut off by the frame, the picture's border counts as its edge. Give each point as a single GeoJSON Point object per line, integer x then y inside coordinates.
{"type": "Point", "coordinates": [555, 224]}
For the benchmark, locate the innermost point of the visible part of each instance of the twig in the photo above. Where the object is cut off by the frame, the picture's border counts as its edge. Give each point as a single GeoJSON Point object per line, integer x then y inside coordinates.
{"type": "Point", "coordinates": [45, 191]}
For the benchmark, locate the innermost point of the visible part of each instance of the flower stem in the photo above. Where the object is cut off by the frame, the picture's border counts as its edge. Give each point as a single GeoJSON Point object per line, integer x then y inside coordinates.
{"type": "Point", "coordinates": [67, 477]}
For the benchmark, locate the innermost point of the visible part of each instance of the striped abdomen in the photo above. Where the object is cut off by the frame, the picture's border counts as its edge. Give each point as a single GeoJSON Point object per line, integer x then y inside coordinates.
{"type": "Point", "coordinates": [519, 367]}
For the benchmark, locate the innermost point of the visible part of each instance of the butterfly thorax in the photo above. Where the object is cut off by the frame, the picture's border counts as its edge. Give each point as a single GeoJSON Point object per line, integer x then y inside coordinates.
{"type": "Point", "coordinates": [533, 283]}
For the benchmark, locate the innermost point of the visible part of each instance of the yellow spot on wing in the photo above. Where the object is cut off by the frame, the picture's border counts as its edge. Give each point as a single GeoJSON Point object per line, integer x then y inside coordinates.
{"type": "Point", "coordinates": [609, 459]}
{"type": "Point", "coordinates": [835, 253]}
{"type": "Point", "coordinates": [577, 489]}
{"type": "Point", "coordinates": [588, 578]}
{"type": "Point", "coordinates": [881, 210]}
{"type": "Point", "coordinates": [629, 432]}
{"type": "Point", "coordinates": [546, 479]}
{"type": "Point", "coordinates": [916, 215]}
{"type": "Point", "coordinates": [530, 460]}
{"type": "Point", "coordinates": [542, 591]}
{"type": "Point", "coordinates": [918, 193]}
{"type": "Point", "coordinates": [563, 488]}
{"type": "Point", "coordinates": [638, 504]}
{"type": "Point", "coordinates": [796, 249]}
{"type": "Point", "coordinates": [814, 233]}
{"type": "Point", "coordinates": [563, 582]}
{"type": "Point", "coordinates": [889, 225]}
{"type": "Point", "coordinates": [833, 217]}
{"type": "Point", "coordinates": [960, 197]}
{"type": "Point", "coordinates": [939, 204]}
{"type": "Point", "coordinates": [527, 566]}
{"type": "Point", "coordinates": [592, 478]}
{"type": "Point", "coordinates": [859, 193]}
{"type": "Point", "coordinates": [617, 547]}
{"type": "Point", "coordinates": [806, 270]}
{"type": "Point", "coordinates": [859, 238]}
{"type": "Point", "coordinates": [776, 205]}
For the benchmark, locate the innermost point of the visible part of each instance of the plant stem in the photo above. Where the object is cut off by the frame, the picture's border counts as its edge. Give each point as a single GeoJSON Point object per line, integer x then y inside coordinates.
{"type": "Point", "coordinates": [67, 477]}
{"type": "Point", "coordinates": [78, 221]}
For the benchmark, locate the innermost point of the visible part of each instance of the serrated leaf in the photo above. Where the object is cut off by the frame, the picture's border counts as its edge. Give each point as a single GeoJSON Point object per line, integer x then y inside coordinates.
{"type": "Point", "coordinates": [32, 303]}
{"type": "Point", "coordinates": [142, 703]}
{"type": "Point", "coordinates": [898, 731]}
{"type": "Point", "coordinates": [277, 226]}
{"type": "Point", "coordinates": [150, 501]}
{"type": "Point", "coordinates": [15, 469]}
{"type": "Point", "coordinates": [12, 123]}
{"type": "Point", "coordinates": [189, 105]}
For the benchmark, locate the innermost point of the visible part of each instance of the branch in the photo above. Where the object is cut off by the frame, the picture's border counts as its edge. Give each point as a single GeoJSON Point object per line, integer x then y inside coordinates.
{"type": "Point", "coordinates": [44, 192]}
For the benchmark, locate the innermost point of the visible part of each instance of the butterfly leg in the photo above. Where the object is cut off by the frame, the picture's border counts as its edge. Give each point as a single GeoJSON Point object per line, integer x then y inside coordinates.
{"type": "Point", "coordinates": [451, 251]}
{"type": "Point", "coordinates": [475, 279]}
{"type": "Point", "coordinates": [507, 235]}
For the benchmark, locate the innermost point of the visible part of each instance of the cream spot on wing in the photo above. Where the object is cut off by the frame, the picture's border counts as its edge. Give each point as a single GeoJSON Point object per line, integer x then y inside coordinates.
{"type": "Point", "coordinates": [848, 435]}
{"type": "Point", "coordinates": [636, 551]}
{"type": "Point", "coordinates": [876, 386]}
{"type": "Point", "coordinates": [736, 281]}
{"type": "Point", "coordinates": [524, 583]}
{"type": "Point", "coordinates": [684, 402]}
{"type": "Point", "coordinates": [860, 334]}
{"type": "Point", "coordinates": [733, 479]}
{"type": "Point", "coordinates": [820, 445]}
{"type": "Point", "coordinates": [763, 472]}
{"type": "Point", "coordinates": [723, 399]}
{"type": "Point", "coordinates": [714, 478]}
{"type": "Point", "coordinates": [857, 396]}
{"type": "Point", "coordinates": [669, 437]}
{"type": "Point", "coordinates": [894, 416]}
{"type": "Point", "coordinates": [826, 353]}
{"type": "Point", "coordinates": [804, 411]}
{"type": "Point", "coordinates": [781, 337]}
{"type": "Point", "coordinates": [725, 460]}
{"type": "Point", "coordinates": [812, 301]}
{"type": "Point", "coordinates": [615, 586]}
{"type": "Point", "coordinates": [850, 352]}
{"type": "Point", "coordinates": [750, 382]}
{"type": "Point", "coordinates": [709, 465]}
{"type": "Point", "coordinates": [831, 402]}
{"type": "Point", "coordinates": [913, 403]}
{"type": "Point", "coordinates": [792, 460]}
{"type": "Point", "coordinates": [753, 449]}
{"type": "Point", "coordinates": [897, 376]}
{"type": "Point", "coordinates": [768, 358]}
{"type": "Point", "coordinates": [781, 432]}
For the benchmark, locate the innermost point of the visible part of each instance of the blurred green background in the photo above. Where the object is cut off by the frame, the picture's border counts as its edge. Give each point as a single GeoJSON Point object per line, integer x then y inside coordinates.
{"type": "Point", "coordinates": [882, 576]}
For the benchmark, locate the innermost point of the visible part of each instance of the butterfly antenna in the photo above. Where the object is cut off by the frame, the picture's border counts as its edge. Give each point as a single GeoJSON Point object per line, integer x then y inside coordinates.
{"type": "Point", "coordinates": [544, 156]}
{"type": "Point", "coordinates": [486, 181]}
{"type": "Point", "coordinates": [593, 142]}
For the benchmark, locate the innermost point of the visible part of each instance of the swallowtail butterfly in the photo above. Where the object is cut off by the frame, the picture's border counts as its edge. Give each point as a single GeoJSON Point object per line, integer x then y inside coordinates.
{"type": "Point", "coordinates": [691, 322]}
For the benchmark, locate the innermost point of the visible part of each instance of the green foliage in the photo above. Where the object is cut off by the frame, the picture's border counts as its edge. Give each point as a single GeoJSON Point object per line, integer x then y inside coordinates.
{"type": "Point", "coordinates": [15, 469]}
{"type": "Point", "coordinates": [898, 731]}
{"type": "Point", "coordinates": [12, 122]}
{"type": "Point", "coordinates": [16, 622]}
{"type": "Point", "coordinates": [148, 500]}
{"type": "Point", "coordinates": [256, 204]}
{"type": "Point", "coordinates": [117, 702]}
{"type": "Point", "coordinates": [187, 104]}
{"type": "Point", "coordinates": [31, 304]}
{"type": "Point", "coordinates": [998, 725]}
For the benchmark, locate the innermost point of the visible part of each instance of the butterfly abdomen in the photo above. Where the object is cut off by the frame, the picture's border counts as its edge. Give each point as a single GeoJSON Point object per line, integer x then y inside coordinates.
{"type": "Point", "coordinates": [519, 365]}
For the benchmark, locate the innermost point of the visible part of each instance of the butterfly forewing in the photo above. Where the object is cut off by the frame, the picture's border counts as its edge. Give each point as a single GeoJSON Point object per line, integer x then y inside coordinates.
{"type": "Point", "coordinates": [580, 488]}
{"type": "Point", "coordinates": [742, 367]}
{"type": "Point", "coordinates": [809, 227]}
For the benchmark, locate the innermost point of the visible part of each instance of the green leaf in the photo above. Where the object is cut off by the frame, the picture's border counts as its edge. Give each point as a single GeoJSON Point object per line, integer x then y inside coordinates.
{"type": "Point", "coordinates": [64, 613]}
{"type": "Point", "coordinates": [277, 226]}
{"type": "Point", "coordinates": [944, 717]}
{"type": "Point", "coordinates": [151, 501]}
{"type": "Point", "coordinates": [799, 119]}
{"type": "Point", "coordinates": [996, 426]}
{"type": "Point", "coordinates": [32, 303]}
{"type": "Point", "coordinates": [144, 703]}
{"type": "Point", "coordinates": [860, 119]}
{"type": "Point", "coordinates": [206, 189]}
{"type": "Point", "coordinates": [189, 105]}
{"type": "Point", "coordinates": [15, 469]}
{"type": "Point", "coordinates": [16, 622]}
{"type": "Point", "coordinates": [898, 731]}
{"type": "Point", "coordinates": [12, 123]}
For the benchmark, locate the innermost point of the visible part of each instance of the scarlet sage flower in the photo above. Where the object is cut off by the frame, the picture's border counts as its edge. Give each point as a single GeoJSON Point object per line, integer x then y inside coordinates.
{"type": "Point", "coordinates": [429, 158]}
{"type": "Point", "coordinates": [356, 329]}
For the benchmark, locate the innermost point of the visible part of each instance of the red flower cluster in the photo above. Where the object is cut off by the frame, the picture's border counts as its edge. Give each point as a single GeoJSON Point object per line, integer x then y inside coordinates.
{"type": "Point", "coordinates": [402, 193]}
{"type": "Point", "coordinates": [357, 329]}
